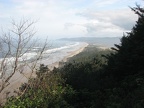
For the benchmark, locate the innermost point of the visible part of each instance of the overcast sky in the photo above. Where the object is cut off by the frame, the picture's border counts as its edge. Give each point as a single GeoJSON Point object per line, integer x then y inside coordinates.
{"type": "Point", "coordinates": [72, 18]}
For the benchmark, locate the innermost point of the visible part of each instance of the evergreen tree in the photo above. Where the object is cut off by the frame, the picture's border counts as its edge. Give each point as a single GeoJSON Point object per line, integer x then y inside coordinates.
{"type": "Point", "coordinates": [129, 56]}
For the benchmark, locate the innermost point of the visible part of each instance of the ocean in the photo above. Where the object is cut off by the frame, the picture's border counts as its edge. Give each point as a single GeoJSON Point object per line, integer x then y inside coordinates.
{"type": "Point", "coordinates": [56, 50]}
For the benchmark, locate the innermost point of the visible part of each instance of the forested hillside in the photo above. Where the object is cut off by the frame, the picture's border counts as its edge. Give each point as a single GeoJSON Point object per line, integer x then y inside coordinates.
{"type": "Point", "coordinates": [92, 79]}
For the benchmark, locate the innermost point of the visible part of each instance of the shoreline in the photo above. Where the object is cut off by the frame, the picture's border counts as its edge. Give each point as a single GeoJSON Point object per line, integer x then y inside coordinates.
{"type": "Point", "coordinates": [18, 79]}
{"type": "Point", "coordinates": [70, 54]}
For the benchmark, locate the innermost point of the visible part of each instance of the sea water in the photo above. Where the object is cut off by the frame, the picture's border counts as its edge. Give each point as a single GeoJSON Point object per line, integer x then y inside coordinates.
{"type": "Point", "coordinates": [54, 52]}
{"type": "Point", "coordinates": [60, 50]}
{"type": "Point", "coordinates": [54, 48]}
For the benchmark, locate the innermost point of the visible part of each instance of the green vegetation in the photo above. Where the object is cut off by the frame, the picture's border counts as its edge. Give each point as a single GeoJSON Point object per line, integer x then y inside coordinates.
{"type": "Point", "coordinates": [48, 90]}
{"type": "Point", "coordinates": [92, 79]}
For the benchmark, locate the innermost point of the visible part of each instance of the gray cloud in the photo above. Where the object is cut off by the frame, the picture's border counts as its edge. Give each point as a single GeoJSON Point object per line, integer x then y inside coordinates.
{"type": "Point", "coordinates": [123, 22]}
{"type": "Point", "coordinates": [102, 29]}
{"type": "Point", "coordinates": [68, 25]}
{"type": "Point", "coordinates": [72, 17]}
{"type": "Point", "coordinates": [95, 27]}
{"type": "Point", "coordinates": [112, 22]}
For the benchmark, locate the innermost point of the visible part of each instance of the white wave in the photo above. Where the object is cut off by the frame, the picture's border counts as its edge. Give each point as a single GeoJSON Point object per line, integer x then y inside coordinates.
{"type": "Point", "coordinates": [24, 57]}
{"type": "Point", "coordinates": [61, 48]}
{"type": "Point", "coordinates": [8, 62]}
{"type": "Point", "coordinates": [36, 48]}
{"type": "Point", "coordinates": [27, 56]}
{"type": "Point", "coordinates": [30, 55]}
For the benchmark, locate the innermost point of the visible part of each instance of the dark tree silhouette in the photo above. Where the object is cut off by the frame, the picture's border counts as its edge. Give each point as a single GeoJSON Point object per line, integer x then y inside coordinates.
{"type": "Point", "coordinates": [129, 56]}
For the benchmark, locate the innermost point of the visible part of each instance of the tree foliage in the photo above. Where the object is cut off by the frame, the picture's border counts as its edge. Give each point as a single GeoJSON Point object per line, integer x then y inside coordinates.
{"type": "Point", "coordinates": [129, 57]}
{"type": "Point", "coordinates": [48, 91]}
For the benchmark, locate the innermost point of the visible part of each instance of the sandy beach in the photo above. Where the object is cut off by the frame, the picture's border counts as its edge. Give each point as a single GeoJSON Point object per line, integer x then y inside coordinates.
{"type": "Point", "coordinates": [20, 78]}
{"type": "Point", "coordinates": [70, 54]}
